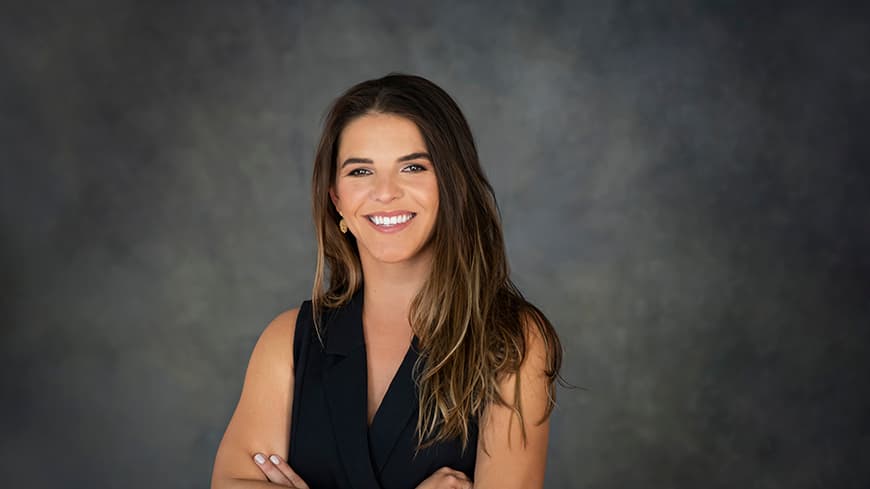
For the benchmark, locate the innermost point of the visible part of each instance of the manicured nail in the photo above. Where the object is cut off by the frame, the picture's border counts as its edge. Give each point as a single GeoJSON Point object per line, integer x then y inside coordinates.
{"type": "Point", "coordinates": [274, 459]}
{"type": "Point", "coordinates": [260, 459]}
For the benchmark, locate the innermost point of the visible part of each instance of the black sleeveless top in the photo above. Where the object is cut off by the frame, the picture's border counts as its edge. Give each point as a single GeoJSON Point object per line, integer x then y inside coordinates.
{"type": "Point", "coordinates": [331, 445]}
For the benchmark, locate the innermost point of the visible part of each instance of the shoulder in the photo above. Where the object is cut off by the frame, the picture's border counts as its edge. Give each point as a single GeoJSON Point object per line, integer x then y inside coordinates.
{"type": "Point", "coordinates": [540, 337]}
{"type": "Point", "coordinates": [274, 347]}
{"type": "Point", "coordinates": [541, 344]}
{"type": "Point", "coordinates": [281, 326]}
{"type": "Point", "coordinates": [531, 381]}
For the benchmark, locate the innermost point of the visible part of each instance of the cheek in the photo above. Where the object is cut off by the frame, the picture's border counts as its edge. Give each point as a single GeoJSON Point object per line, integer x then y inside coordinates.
{"type": "Point", "coordinates": [430, 192]}
{"type": "Point", "coordinates": [435, 198]}
{"type": "Point", "coordinates": [348, 194]}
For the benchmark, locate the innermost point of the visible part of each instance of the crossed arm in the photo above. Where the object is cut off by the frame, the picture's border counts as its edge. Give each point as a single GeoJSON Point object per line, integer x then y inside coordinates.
{"type": "Point", "coordinates": [261, 422]}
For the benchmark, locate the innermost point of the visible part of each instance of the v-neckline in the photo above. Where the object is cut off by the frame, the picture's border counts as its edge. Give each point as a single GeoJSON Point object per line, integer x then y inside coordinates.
{"type": "Point", "coordinates": [345, 382]}
{"type": "Point", "coordinates": [395, 411]}
{"type": "Point", "coordinates": [400, 370]}
{"type": "Point", "coordinates": [410, 354]}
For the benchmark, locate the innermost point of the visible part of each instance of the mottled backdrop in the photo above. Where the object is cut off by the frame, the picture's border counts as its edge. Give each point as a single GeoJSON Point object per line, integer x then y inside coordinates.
{"type": "Point", "coordinates": [684, 187]}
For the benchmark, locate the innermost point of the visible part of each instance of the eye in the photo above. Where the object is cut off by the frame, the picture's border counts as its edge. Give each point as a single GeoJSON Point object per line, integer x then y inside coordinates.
{"type": "Point", "coordinates": [357, 172]}
{"type": "Point", "coordinates": [415, 168]}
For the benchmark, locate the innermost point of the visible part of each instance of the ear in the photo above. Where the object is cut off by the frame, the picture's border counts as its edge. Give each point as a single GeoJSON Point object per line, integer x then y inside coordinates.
{"type": "Point", "coordinates": [334, 197]}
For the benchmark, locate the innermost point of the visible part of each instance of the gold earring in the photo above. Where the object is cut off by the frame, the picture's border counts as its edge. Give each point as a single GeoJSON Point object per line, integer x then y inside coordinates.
{"type": "Point", "coordinates": [343, 226]}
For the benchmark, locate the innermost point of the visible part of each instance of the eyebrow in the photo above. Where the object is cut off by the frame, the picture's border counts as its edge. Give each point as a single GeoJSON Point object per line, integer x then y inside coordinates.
{"type": "Point", "coordinates": [408, 157]}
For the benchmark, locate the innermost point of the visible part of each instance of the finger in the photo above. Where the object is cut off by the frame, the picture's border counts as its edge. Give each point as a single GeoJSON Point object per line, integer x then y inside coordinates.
{"type": "Point", "coordinates": [454, 473]}
{"type": "Point", "coordinates": [288, 472]}
{"type": "Point", "coordinates": [461, 475]}
{"type": "Point", "coordinates": [272, 472]}
{"type": "Point", "coordinates": [459, 480]}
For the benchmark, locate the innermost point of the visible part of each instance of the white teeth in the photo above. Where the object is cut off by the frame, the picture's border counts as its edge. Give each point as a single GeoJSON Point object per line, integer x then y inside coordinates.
{"type": "Point", "coordinates": [390, 221]}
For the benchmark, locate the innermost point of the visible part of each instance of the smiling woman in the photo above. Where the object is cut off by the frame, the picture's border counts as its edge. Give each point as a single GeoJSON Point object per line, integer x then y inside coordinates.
{"type": "Point", "coordinates": [382, 194]}
{"type": "Point", "coordinates": [418, 363]}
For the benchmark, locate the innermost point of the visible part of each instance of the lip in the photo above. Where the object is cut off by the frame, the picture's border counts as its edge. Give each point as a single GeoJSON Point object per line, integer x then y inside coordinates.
{"type": "Point", "coordinates": [391, 213]}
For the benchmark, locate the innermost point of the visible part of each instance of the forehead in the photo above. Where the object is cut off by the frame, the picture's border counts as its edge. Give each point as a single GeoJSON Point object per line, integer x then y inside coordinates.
{"type": "Point", "coordinates": [380, 136]}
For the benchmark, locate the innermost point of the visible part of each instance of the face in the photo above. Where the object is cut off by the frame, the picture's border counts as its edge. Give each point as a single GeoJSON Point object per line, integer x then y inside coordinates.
{"type": "Point", "coordinates": [385, 187]}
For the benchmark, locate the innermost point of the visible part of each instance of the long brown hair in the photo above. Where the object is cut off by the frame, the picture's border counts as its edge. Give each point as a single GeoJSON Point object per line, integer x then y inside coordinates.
{"type": "Point", "coordinates": [469, 316]}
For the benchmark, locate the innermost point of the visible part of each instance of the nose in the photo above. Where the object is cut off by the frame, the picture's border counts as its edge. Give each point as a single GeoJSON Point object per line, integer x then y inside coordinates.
{"type": "Point", "coordinates": [386, 188]}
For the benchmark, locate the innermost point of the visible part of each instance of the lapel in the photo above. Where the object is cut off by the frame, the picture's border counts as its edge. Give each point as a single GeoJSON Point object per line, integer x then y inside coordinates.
{"type": "Point", "coordinates": [345, 388]}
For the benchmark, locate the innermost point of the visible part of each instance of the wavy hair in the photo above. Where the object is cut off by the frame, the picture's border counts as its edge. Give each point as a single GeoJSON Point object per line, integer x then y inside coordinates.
{"type": "Point", "coordinates": [469, 317]}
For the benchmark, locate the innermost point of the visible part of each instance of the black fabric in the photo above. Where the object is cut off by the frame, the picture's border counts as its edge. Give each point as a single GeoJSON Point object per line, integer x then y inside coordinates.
{"type": "Point", "coordinates": [331, 445]}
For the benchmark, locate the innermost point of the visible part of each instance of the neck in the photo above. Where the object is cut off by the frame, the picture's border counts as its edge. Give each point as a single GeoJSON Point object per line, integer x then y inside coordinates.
{"type": "Point", "coordinates": [392, 286]}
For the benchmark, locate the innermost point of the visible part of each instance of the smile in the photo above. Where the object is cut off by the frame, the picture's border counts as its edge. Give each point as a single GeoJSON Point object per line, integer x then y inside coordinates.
{"type": "Point", "coordinates": [391, 221]}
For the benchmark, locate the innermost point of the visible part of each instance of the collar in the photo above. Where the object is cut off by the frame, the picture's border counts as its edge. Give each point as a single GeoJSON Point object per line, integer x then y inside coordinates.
{"type": "Point", "coordinates": [343, 326]}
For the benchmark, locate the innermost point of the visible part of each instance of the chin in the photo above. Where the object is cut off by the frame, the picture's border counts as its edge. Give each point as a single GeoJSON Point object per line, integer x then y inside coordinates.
{"type": "Point", "coordinates": [393, 257]}
{"type": "Point", "coordinates": [397, 255]}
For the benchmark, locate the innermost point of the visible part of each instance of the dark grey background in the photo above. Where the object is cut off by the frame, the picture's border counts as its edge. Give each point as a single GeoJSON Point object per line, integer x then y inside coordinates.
{"type": "Point", "coordinates": [684, 187]}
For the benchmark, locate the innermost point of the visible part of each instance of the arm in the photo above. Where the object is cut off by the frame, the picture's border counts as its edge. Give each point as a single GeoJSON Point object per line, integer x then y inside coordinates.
{"type": "Point", "coordinates": [509, 464]}
{"type": "Point", "coordinates": [261, 421]}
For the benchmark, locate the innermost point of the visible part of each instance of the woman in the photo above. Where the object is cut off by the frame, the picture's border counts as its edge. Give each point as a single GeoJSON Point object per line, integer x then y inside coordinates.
{"type": "Point", "coordinates": [418, 363]}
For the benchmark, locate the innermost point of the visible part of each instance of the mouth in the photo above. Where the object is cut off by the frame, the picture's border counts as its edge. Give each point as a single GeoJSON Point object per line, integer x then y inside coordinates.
{"type": "Point", "coordinates": [391, 221]}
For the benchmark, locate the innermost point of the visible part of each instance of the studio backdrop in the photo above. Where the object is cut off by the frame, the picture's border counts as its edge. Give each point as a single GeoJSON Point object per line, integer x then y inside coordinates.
{"type": "Point", "coordinates": [683, 187]}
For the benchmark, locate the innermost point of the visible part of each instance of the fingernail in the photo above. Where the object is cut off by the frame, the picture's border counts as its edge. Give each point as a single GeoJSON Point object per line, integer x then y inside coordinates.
{"type": "Point", "coordinates": [274, 459]}
{"type": "Point", "coordinates": [260, 459]}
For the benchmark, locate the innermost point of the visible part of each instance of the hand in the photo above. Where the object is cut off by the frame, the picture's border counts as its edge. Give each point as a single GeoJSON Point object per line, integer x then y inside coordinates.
{"type": "Point", "coordinates": [446, 478]}
{"type": "Point", "coordinates": [279, 472]}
